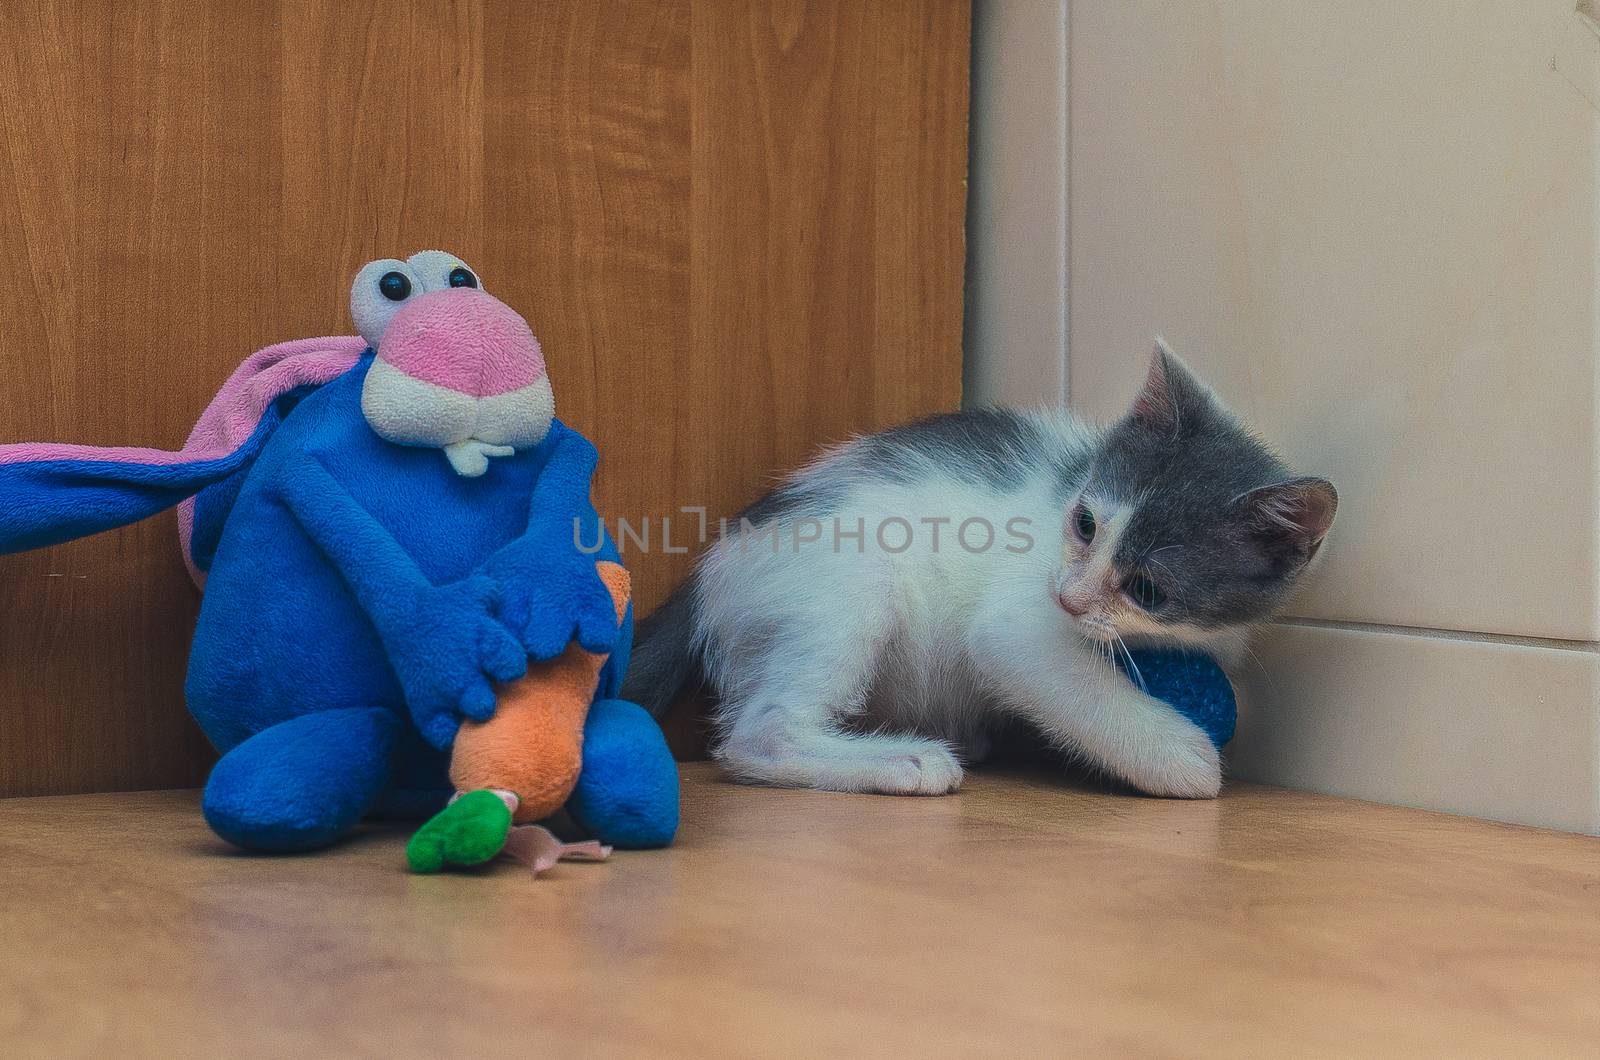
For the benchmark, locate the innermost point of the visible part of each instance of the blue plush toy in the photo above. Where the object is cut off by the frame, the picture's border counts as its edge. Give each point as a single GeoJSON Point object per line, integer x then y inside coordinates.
{"type": "Point", "coordinates": [1191, 682]}
{"type": "Point", "coordinates": [385, 530]}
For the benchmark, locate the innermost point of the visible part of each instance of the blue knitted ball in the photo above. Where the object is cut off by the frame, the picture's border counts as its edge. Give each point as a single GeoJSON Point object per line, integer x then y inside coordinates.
{"type": "Point", "coordinates": [1192, 683]}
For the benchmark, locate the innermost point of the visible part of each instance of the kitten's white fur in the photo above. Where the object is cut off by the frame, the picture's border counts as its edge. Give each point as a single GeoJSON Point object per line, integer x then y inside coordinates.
{"type": "Point", "coordinates": [873, 671]}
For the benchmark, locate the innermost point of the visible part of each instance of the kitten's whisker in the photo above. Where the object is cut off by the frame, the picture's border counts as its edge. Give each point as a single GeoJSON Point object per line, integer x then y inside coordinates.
{"type": "Point", "coordinates": [1133, 666]}
{"type": "Point", "coordinates": [1271, 684]}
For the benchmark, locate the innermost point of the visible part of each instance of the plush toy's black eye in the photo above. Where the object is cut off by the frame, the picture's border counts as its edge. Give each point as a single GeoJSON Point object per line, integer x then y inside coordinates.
{"type": "Point", "coordinates": [1144, 592]}
{"type": "Point", "coordinates": [1083, 523]}
{"type": "Point", "coordinates": [395, 286]}
{"type": "Point", "coordinates": [461, 276]}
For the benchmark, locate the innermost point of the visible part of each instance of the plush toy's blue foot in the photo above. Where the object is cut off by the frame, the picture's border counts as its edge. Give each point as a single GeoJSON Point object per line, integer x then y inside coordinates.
{"type": "Point", "coordinates": [627, 793]}
{"type": "Point", "coordinates": [302, 783]}
{"type": "Point", "coordinates": [1192, 683]}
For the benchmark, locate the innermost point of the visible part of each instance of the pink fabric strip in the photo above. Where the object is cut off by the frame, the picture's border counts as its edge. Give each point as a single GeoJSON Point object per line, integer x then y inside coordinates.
{"type": "Point", "coordinates": [234, 413]}
{"type": "Point", "coordinates": [538, 848]}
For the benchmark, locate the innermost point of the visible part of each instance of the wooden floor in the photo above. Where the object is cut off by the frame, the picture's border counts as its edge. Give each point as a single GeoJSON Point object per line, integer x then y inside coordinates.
{"type": "Point", "coordinates": [1018, 917]}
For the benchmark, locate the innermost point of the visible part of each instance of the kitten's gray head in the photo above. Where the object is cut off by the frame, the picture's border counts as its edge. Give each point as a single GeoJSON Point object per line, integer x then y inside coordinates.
{"type": "Point", "coordinates": [1188, 527]}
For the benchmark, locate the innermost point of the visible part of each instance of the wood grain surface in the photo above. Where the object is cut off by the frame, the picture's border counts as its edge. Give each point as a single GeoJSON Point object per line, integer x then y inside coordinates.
{"type": "Point", "coordinates": [736, 226]}
{"type": "Point", "coordinates": [1017, 918]}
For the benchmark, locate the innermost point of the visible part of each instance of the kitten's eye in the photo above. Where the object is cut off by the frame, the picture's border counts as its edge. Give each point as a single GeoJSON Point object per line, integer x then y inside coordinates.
{"type": "Point", "coordinates": [461, 276]}
{"type": "Point", "coordinates": [1144, 592]}
{"type": "Point", "coordinates": [1083, 523]}
{"type": "Point", "coordinates": [395, 286]}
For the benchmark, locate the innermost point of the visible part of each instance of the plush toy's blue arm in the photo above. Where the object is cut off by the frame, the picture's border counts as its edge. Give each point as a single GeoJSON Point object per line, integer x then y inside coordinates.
{"type": "Point", "coordinates": [549, 591]}
{"type": "Point", "coordinates": [442, 641]}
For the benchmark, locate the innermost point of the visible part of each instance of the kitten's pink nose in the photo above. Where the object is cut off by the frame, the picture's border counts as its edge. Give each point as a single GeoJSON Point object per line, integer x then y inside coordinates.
{"type": "Point", "coordinates": [1072, 605]}
{"type": "Point", "coordinates": [464, 340]}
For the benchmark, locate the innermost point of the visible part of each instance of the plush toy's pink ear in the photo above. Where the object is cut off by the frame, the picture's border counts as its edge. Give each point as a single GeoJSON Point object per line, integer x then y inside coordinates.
{"type": "Point", "coordinates": [242, 409]}
{"type": "Point", "coordinates": [54, 492]}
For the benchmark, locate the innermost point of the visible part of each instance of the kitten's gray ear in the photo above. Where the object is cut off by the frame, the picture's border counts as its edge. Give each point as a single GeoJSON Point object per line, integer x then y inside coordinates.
{"type": "Point", "coordinates": [1171, 396]}
{"type": "Point", "coordinates": [1288, 520]}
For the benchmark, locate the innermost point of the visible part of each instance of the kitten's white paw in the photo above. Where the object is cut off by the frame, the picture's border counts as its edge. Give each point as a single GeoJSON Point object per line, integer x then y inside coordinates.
{"type": "Point", "coordinates": [883, 765]}
{"type": "Point", "coordinates": [1183, 765]}
{"type": "Point", "coordinates": [930, 770]}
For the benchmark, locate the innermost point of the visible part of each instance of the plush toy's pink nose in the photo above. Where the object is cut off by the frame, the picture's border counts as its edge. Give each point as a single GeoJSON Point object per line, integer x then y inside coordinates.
{"type": "Point", "coordinates": [464, 340]}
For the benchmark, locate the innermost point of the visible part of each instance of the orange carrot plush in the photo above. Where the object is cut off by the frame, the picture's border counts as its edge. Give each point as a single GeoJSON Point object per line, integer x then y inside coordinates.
{"type": "Point", "coordinates": [520, 765]}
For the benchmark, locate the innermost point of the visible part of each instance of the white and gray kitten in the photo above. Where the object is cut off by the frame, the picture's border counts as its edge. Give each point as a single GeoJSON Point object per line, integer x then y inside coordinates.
{"type": "Point", "coordinates": [862, 637]}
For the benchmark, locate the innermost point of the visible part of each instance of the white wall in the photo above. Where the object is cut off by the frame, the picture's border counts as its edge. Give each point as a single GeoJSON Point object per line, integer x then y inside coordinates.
{"type": "Point", "coordinates": [1376, 228]}
{"type": "Point", "coordinates": [1016, 333]}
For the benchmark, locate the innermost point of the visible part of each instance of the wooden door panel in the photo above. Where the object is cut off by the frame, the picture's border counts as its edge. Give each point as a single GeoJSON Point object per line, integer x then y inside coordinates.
{"type": "Point", "coordinates": [736, 227]}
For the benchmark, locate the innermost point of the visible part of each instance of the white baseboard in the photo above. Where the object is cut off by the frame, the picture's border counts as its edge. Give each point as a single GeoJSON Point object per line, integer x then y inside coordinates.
{"type": "Point", "coordinates": [1502, 728]}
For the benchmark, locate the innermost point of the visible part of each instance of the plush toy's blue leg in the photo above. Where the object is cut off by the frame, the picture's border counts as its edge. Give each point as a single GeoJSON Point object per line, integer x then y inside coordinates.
{"type": "Point", "coordinates": [302, 783]}
{"type": "Point", "coordinates": [627, 793]}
